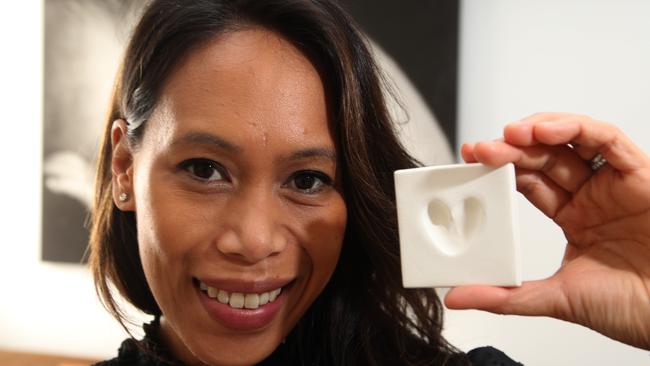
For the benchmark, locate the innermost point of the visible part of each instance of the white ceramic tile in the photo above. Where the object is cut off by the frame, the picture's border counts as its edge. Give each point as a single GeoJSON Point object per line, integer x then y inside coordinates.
{"type": "Point", "coordinates": [458, 225]}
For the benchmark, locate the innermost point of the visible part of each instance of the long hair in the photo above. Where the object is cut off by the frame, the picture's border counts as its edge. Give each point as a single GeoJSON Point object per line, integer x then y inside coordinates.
{"type": "Point", "coordinates": [364, 315]}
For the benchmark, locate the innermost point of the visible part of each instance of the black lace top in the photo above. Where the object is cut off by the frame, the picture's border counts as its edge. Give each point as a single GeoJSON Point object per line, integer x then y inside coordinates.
{"type": "Point", "coordinates": [151, 352]}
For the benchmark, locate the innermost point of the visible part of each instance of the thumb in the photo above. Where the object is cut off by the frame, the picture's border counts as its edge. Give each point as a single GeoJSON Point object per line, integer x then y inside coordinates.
{"type": "Point", "coordinates": [533, 298]}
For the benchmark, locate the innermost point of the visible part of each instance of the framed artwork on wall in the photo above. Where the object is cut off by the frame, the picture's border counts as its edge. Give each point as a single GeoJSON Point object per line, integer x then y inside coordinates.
{"type": "Point", "coordinates": [84, 40]}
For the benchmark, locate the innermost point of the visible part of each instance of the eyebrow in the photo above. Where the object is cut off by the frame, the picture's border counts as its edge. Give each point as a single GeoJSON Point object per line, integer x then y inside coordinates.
{"type": "Point", "coordinates": [209, 139]}
{"type": "Point", "coordinates": [326, 153]}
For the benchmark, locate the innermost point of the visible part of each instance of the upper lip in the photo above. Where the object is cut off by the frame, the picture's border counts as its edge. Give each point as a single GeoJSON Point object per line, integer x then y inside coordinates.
{"type": "Point", "coordinates": [245, 286]}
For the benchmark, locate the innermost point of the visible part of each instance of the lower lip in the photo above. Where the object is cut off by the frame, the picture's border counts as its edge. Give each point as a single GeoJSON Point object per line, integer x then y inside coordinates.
{"type": "Point", "coordinates": [242, 319]}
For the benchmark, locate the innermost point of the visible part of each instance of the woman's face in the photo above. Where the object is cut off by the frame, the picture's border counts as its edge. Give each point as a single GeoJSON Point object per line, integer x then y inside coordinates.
{"type": "Point", "coordinates": [240, 221]}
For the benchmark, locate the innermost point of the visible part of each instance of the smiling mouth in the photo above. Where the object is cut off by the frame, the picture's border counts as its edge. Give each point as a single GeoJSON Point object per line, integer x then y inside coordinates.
{"type": "Point", "coordinates": [239, 300]}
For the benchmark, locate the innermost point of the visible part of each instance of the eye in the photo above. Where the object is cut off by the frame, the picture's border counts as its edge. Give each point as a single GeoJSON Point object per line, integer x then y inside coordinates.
{"type": "Point", "coordinates": [204, 169]}
{"type": "Point", "coordinates": [309, 182]}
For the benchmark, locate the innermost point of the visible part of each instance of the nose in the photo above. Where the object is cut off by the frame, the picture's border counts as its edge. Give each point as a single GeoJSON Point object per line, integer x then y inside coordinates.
{"type": "Point", "coordinates": [254, 231]}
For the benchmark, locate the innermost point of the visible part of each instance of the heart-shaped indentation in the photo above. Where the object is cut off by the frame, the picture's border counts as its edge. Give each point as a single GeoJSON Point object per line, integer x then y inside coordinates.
{"type": "Point", "coordinates": [454, 227]}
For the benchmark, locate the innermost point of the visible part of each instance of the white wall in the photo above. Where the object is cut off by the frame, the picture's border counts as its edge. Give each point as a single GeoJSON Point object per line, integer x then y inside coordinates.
{"type": "Point", "coordinates": [43, 307]}
{"type": "Point", "coordinates": [517, 58]}
{"type": "Point", "coordinates": [520, 57]}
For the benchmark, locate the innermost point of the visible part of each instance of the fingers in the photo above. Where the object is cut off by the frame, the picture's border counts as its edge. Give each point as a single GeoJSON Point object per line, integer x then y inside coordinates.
{"type": "Point", "coordinates": [545, 174]}
{"type": "Point", "coordinates": [559, 163]}
{"type": "Point", "coordinates": [467, 152]}
{"type": "Point", "coordinates": [586, 152]}
{"type": "Point", "coordinates": [534, 298]}
{"type": "Point", "coordinates": [591, 136]}
{"type": "Point", "coordinates": [542, 192]}
{"type": "Point", "coordinates": [551, 152]}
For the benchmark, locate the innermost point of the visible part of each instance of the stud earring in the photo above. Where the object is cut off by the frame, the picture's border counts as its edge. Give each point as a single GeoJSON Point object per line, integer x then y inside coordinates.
{"type": "Point", "coordinates": [123, 197]}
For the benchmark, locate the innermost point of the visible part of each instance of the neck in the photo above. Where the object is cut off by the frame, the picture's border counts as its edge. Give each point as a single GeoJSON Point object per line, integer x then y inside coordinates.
{"type": "Point", "coordinates": [176, 346]}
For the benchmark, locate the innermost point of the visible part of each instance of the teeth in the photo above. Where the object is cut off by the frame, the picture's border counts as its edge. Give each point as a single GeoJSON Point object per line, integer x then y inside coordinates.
{"type": "Point", "coordinates": [240, 300]}
{"type": "Point", "coordinates": [264, 298]}
{"type": "Point", "coordinates": [274, 294]}
{"type": "Point", "coordinates": [223, 297]}
{"type": "Point", "coordinates": [236, 300]}
{"type": "Point", "coordinates": [252, 301]}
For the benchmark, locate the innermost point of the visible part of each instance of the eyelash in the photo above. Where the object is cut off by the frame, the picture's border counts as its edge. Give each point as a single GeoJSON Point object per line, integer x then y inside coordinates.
{"type": "Point", "coordinates": [191, 165]}
{"type": "Point", "coordinates": [322, 180]}
{"type": "Point", "coordinates": [321, 177]}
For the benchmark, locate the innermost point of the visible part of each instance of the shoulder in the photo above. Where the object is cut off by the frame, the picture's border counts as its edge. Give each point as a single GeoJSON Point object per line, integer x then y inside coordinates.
{"type": "Point", "coordinates": [127, 355]}
{"type": "Point", "coordinates": [131, 353]}
{"type": "Point", "coordinates": [490, 356]}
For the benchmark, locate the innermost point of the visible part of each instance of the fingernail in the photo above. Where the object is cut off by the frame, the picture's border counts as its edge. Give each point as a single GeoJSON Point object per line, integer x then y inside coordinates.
{"type": "Point", "coordinates": [516, 124]}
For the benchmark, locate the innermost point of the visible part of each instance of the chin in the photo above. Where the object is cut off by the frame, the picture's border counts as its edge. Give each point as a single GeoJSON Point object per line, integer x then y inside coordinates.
{"type": "Point", "coordinates": [239, 351]}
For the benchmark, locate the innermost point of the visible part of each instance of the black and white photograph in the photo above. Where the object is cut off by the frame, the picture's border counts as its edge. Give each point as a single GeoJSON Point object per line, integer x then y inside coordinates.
{"type": "Point", "coordinates": [84, 40]}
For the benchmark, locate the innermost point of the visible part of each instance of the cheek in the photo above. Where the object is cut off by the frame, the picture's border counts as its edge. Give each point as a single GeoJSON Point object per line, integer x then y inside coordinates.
{"type": "Point", "coordinates": [168, 232]}
{"type": "Point", "coordinates": [325, 240]}
{"type": "Point", "coordinates": [154, 232]}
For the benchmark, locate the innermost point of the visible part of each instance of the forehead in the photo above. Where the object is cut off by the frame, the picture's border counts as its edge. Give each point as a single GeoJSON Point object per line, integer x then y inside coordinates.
{"type": "Point", "coordinates": [245, 82]}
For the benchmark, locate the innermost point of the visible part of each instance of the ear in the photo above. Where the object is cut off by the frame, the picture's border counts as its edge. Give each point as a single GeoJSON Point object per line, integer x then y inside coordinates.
{"type": "Point", "coordinates": [122, 167]}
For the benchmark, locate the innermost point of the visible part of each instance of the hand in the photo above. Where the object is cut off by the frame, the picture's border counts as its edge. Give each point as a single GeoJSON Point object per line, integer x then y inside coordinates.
{"type": "Point", "coordinates": [604, 279]}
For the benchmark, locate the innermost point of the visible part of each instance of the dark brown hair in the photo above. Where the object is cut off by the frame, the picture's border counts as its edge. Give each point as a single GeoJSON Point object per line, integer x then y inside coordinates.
{"type": "Point", "coordinates": [364, 315]}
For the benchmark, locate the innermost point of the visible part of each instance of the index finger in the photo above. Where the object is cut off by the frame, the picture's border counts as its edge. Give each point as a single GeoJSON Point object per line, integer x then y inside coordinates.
{"type": "Point", "coordinates": [560, 129]}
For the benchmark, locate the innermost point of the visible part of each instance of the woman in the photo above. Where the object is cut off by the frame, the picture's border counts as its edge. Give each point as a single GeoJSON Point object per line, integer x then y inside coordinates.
{"type": "Point", "coordinates": [250, 142]}
{"type": "Point", "coordinates": [245, 195]}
